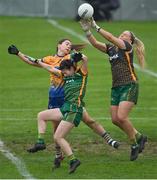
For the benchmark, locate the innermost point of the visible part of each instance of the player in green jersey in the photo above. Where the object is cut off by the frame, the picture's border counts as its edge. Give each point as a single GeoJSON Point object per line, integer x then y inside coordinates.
{"type": "Point", "coordinates": [124, 92]}
{"type": "Point", "coordinates": [72, 111]}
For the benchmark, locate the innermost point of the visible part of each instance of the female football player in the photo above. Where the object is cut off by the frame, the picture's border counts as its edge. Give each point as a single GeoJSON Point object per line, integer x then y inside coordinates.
{"type": "Point", "coordinates": [124, 92]}
{"type": "Point", "coordinates": [56, 93]}
{"type": "Point", "coordinates": [71, 113]}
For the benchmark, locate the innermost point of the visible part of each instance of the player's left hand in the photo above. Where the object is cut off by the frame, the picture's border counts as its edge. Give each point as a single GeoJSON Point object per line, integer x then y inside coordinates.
{"type": "Point", "coordinates": [94, 24]}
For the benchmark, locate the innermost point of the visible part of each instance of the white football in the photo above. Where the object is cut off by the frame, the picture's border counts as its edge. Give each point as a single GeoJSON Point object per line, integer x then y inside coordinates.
{"type": "Point", "coordinates": [85, 11]}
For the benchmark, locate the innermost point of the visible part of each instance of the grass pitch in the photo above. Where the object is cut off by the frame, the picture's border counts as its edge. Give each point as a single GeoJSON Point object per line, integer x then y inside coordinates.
{"type": "Point", "coordinates": [24, 92]}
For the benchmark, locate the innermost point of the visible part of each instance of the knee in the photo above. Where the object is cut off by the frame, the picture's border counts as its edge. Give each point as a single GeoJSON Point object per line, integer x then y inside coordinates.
{"type": "Point", "coordinates": [39, 116]}
{"type": "Point", "coordinates": [56, 138]}
{"type": "Point", "coordinates": [115, 120]}
{"type": "Point", "coordinates": [121, 118]}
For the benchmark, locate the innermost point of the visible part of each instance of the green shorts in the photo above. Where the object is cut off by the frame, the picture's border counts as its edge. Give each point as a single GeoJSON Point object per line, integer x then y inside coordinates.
{"type": "Point", "coordinates": [128, 92]}
{"type": "Point", "coordinates": [72, 113]}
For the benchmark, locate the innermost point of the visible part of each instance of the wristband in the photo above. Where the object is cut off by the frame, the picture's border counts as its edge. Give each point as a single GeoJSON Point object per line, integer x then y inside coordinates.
{"type": "Point", "coordinates": [37, 61]}
{"type": "Point", "coordinates": [98, 29]}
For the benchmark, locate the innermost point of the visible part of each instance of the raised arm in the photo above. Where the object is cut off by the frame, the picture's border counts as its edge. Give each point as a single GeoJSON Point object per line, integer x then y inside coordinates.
{"type": "Point", "coordinates": [27, 59]}
{"type": "Point", "coordinates": [76, 57]}
{"type": "Point", "coordinates": [49, 68]}
{"type": "Point", "coordinates": [84, 66]}
{"type": "Point", "coordinates": [87, 24]}
{"type": "Point", "coordinates": [108, 36]}
{"type": "Point", "coordinates": [97, 44]}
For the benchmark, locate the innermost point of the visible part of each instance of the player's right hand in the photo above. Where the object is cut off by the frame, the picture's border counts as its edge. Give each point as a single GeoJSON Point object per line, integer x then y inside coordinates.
{"type": "Point", "coordinates": [85, 24]}
{"type": "Point", "coordinates": [13, 50]}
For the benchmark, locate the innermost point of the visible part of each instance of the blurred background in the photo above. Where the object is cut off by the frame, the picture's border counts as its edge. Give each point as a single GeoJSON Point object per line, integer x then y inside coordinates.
{"type": "Point", "coordinates": [116, 9]}
{"type": "Point", "coordinates": [24, 89]}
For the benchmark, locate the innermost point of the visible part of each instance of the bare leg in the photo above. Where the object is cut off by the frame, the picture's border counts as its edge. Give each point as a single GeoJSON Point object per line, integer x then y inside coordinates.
{"type": "Point", "coordinates": [61, 132]}
{"type": "Point", "coordinates": [51, 114]}
{"type": "Point", "coordinates": [98, 129]}
{"type": "Point", "coordinates": [91, 123]}
{"type": "Point", "coordinates": [63, 129]}
{"type": "Point", "coordinates": [120, 118]}
{"type": "Point", "coordinates": [115, 111]}
{"type": "Point", "coordinates": [58, 153]}
{"type": "Point", "coordinates": [123, 111]}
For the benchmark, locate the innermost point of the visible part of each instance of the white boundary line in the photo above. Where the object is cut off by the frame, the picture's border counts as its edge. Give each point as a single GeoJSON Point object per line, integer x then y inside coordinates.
{"type": "Point", "coordinates": [73, 33]}
{"type": "Point", "coordinates": [16, 161]}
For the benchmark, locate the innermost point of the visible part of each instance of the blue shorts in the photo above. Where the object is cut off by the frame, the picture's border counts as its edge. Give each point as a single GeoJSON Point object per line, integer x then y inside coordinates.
{"type": "Point", "coordinates": [56, 97]}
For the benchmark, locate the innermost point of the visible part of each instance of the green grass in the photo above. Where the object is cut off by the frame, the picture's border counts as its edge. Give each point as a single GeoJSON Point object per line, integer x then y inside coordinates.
{"type": "Point", "coordinates": [24, 92]}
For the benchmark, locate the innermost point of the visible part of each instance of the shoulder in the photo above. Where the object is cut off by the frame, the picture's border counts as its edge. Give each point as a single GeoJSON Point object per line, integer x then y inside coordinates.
{"type": "Point", "coordinates": [46, 58]}
{"type": "Point", "coordinates": [109, 47]}
{"type": "Point", "coordinates": [68, 56]}
{"type": "Point", "coordinates": [127, 45]}
{"type": "Point", "coordinates": [49, 59]}
{"type": "Point", "coordinates": [80, 71]}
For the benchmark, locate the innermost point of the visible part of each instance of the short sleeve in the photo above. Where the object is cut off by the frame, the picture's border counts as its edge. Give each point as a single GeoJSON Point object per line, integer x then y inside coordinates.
{"type": "Point", "coordinates": [128, 46]}
{"type": "Point", "coordinates": [46, 59]}
{"type": "Point", "coordinates": [108, 47]}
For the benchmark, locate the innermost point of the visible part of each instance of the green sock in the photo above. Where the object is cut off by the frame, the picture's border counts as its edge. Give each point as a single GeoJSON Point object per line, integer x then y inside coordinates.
{"type": "Point", "coordinates": [72, 157]}
{"type": "Point", "coordinates": [40, 138]}
{"type": "Point", "coordinates": [133, 142]}
{"type": "Point", "coordinates": [138, 136]}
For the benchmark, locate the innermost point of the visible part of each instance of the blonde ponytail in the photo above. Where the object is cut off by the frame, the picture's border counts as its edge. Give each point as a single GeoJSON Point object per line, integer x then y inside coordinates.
{"type": "Point", "coordinates": [140, 51]}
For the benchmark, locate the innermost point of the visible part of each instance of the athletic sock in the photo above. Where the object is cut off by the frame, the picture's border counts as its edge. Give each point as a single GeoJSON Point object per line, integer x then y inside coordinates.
{"type": "Point", "coordinates": [138, 136]}
{"type": "Point", "coordinates": [58, 151]}
{"type": "Point", "coordinates": [72, 157]}
{"type": "Point", "coordinates": [133, 142]}
{"type": "Point", "coordinates": [108, 139]}
{"type": "Point", "coordinates": [40, 138]}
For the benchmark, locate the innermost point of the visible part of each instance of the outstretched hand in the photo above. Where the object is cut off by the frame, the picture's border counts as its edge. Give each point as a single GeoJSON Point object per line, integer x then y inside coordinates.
{"type": "Point", "coordinates": [94, 24]}
{"type": "Point", "coordinates": [13, 50]}
{"type": "Point", "coordinates": [85, 24]}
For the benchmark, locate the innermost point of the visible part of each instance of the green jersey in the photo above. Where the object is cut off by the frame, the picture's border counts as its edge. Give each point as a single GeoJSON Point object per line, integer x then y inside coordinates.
{"type": "Point", "coordinates": [75, 87]}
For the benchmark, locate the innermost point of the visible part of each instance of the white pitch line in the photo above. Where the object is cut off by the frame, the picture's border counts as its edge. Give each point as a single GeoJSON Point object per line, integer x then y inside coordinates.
{"type": "Point", "coordinates": [98, 118]}
{"type": "Point", "coordinates": [91, 109]}
{"type": "Point", "coordinates": [16, 161]}
{"type": "Point", "coordinates": [19, 110]}
{"type": "Point", "coordinates": [73, 33]}
{"type": "Point", "coordinates": [68, 30]}
{"type": "Point", "coordinates": [146, 71]}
